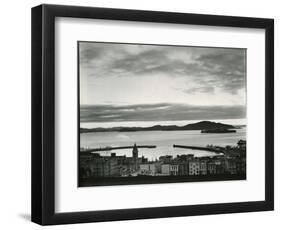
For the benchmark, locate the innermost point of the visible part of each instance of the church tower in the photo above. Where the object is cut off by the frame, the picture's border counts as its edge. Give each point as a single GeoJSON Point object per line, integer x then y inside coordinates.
{"type": "Point", "coordinates": [135, 156]}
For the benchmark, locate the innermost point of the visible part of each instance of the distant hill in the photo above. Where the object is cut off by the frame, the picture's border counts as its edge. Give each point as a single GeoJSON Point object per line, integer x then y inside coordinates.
{"type": "Point", "coordinates": [202, 125]}
{"type": "Point", "coordinates": [207, 125]}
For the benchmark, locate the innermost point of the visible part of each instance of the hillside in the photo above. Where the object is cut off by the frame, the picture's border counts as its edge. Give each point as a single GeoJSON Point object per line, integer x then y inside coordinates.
{"type": "Point", "coordinates": [195, 126]}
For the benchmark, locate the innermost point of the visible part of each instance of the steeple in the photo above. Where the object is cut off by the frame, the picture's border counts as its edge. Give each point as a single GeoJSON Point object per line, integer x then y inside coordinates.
{"type": "Point", "coordinates": [135, 156]}
{"type": "Point", "coordinates": [135, 151]}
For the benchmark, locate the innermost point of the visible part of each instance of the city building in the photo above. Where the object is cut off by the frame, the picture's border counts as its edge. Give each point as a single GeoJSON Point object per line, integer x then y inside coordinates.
{"type": "Point", "coordinates": [203, 167]}
{"type": "Point", "coordinates": [174, 169]}
{"type": "Point", "coordinates": [211, 167]}
{"type": "Point", "coordinates": [231, 165]}
{"type": "Point", "coordinates": [194, 167]}
{"type": "Point", "coordinates": [165, 169]}
{"type": "Point", "coordinates": [183, 168]}
{"type": "Point", "coordinates": [149, 169]}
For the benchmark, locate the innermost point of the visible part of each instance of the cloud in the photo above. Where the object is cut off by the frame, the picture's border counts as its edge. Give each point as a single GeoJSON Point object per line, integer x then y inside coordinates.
{"type": "Point", "coordinates": [158, 112]}
{"type": "Point", "coordinates": [203, 89]}
{"type": "Point", "coordinates": [227, 68]}
{"type": "Point", "coordinates": [208, 69]}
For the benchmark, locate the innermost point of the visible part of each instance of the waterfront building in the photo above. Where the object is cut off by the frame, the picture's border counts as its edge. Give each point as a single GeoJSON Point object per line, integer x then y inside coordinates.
{"type": "Point", "coordinates": [148, 169]}
{"type": "Point", "coordinates": [174, 169]}
{"type": "Point", "coordinates": [203, 167]}
{"type": "Point", "coordinates": [165, 169]}
{"type": "Point", "coordinates": [231, 165]}
{"type": "Point", "coordinates": [144, 169]}
{"type": "Point", "coordinates": [220, 164]}
{"type": "Point", "coordinates": [158, 165]}
{"type": "Point", "coordinates": [211, 167]}
{"type": "Point", "coordinates": [183, 168]}
{"type": "Point", "coordinates": [194, 167]}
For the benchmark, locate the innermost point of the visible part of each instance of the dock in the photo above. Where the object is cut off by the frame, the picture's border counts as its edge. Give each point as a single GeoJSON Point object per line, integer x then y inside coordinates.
{"type": "Point", "coordinates": [115, 148]}
{"type": "Point", "coordinates": [198, 148]}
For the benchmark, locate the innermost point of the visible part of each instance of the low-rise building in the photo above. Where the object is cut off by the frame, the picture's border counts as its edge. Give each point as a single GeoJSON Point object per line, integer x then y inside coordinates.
{"type": "Point", "coordinates": [211, 167]}
{"type": "Point", "coordinates": [174, 169]}
{"type": "Point", "coordinates": [165, 169]}
{"type": "Point", "coordinates": [194, 167]}
{"type": "Point", "coordinates": [183, 168]}
{"type": "Point", "coordinates": [148, 169]}
{"type": "Point", "coordinates": [231, 165]}
{"type": "Point", "coordinates": [203, 167]}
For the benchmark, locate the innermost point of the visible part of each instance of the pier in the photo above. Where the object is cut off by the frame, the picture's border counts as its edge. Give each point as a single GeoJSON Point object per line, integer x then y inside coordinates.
{"type": "Point", "coordinates": [199, 148]}
{"type": "Point", "coordinates": [114, 148]}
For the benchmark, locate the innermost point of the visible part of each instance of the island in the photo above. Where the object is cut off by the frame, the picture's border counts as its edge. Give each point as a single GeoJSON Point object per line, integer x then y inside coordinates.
{"type": "Point", "coordinates": [218, 131]}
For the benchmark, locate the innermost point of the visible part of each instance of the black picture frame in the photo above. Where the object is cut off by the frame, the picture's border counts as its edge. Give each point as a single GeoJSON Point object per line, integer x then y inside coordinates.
{"type": "Point", "coordinates": [43, 114]}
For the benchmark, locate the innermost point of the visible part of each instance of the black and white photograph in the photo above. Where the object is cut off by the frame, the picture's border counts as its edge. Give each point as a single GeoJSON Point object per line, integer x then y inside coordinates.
{"type": "Point", "coordinates": [160, 113]}
{"type": "Point", "coordinates": [140, 114]}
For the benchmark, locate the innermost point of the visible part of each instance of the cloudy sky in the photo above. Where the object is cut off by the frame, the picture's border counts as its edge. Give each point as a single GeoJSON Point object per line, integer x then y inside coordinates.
{"type": "Point", "coordinates": [128, 82]}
